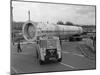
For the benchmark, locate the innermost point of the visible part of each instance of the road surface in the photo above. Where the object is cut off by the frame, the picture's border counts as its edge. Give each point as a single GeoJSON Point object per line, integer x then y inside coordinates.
{"type": "Point", "coordinates": [73, 59]}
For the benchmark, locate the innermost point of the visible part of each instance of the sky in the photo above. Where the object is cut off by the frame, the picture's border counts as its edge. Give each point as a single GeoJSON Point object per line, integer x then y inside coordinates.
{"type": "Point", "coordinates": [43, 12]}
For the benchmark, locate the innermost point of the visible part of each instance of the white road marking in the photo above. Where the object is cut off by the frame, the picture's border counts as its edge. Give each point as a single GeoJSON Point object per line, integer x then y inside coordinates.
{"type": "Point", "coordinates": [82, 50]}
{"type": "Point", "coordinates": [78, 55]}
{"type": "Point", "coordinates": [65, 52]}
{"type": "Point", "coordinates": [14, 69]}
{"type": "Point", "coordinates": [73, 54]}
{"type": "Point", "coordinates": [67, 65]}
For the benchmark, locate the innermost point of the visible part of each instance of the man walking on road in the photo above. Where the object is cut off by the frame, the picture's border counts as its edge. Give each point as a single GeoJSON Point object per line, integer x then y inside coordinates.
{"type": "Point", "coordinates": [19, 47]}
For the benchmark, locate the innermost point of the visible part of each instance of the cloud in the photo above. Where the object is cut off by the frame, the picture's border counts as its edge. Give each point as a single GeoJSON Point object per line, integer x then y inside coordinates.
{"type": "Point", "coordinates": [54, 12]}
{"type": "Point", "coordinates": [83, 10]}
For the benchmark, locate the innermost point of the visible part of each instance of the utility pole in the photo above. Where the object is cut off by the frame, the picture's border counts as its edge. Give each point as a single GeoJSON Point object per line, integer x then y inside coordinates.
{"type": "Point", "coordinates": [11, 13]}
{"type": "Point", "coordinates": [12, 34]}
{"type": "Point", "coordinates": [29, 15]}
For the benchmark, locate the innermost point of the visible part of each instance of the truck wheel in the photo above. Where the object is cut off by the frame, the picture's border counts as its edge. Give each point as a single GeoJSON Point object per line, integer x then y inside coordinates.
{"type": "Point", "coordinates": [79, 39]}
{"type": "Point", "coordinates": [71, 39]}
{"type": "Point", "coordinates": [60, 59]}
{"type": "Point", "coordinates": [41, 62]}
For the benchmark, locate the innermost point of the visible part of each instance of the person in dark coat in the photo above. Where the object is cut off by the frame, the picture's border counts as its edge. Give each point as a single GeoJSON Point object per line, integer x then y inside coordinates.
{"type": "Point", "coordinates": [94, 40]}
{"type": "Point", "coordinates": [19, 47]}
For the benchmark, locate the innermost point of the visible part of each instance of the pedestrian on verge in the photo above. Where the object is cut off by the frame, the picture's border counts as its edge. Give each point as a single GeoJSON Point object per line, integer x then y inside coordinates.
{"type": "Point", "coordinates": [19, 47]}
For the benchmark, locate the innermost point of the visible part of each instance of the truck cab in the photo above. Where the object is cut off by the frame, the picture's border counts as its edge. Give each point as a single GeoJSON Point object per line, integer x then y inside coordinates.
{"type": "Point", "coordinates": [49, 49]}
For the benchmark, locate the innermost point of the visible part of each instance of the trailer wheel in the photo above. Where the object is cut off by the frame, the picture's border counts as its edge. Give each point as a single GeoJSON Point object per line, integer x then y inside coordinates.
{"type": "Point", "coordinates": [71, 39]}
{"type": "Point", "coordinates": [78, 39]}
{"type": "Point", "coordinates": [60, 59]}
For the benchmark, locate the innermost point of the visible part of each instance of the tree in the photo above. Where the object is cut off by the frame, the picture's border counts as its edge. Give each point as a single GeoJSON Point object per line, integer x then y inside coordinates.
{"type": "Point", "coordinates": [69, 23]}
{"type": "Point", "coordinates": [60, 22]}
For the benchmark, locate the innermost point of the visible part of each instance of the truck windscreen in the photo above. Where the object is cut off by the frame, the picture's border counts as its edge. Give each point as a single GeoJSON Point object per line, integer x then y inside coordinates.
{"type": "Point", "coordinates": [48, 44]}
{"type": "Point", "coordinates": [51, 44]}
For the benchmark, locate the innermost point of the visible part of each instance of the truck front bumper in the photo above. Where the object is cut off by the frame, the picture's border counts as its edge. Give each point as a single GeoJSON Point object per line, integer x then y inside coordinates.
{"type": "Point", "coordinates": [51, 58]}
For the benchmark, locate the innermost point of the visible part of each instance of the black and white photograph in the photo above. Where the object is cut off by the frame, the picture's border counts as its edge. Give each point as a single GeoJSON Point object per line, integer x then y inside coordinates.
{"type": "Point", "coordinates": [52, 37]}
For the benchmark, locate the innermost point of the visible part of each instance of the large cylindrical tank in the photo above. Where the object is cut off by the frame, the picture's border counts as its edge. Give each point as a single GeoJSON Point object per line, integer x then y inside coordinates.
{"type": "Point", "coordinates": [32, 30]}
{"type": "Point", "coordinates": [69, 30]}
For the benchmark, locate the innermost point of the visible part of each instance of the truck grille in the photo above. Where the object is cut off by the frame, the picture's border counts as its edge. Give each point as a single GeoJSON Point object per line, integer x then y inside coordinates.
{"type": "Point", "coordinates": [51, 52]}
